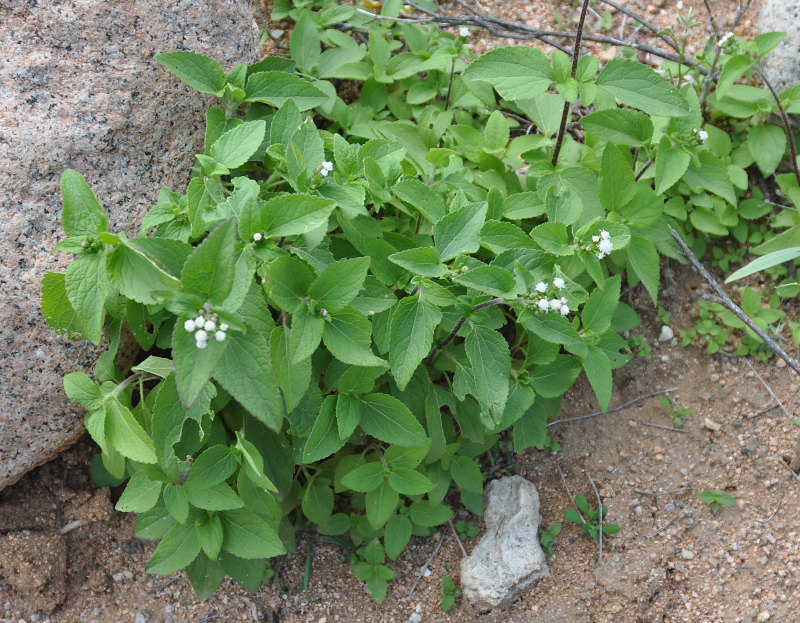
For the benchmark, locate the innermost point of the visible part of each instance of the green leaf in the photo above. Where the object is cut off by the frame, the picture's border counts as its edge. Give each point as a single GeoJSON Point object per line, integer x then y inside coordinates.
{"type": "Point", "coordinates": [177, 549]}
{"type": "Point", "coordinates": [193, 366]}
{"type": "Point", "coordinates": [245, 372]}
{"type": "Point", "coordinates": [619, 126]}
{"type": "Point", "coordinates": [253, 465]}
{"type": "Point", "coordinates": [126, 435]}
{"type": "Point", "coordinates": [555, 378]}
{"type": "Point", "coordinates": [56, 308]}
{"type": "Point", "coordinates": [348, 414]}
{"type": "Point", "coordinates": [364, 478]}
{"type": "Point", "coordinates": [389, 420]}
{"type": "Point", "coordinates": [413, 324]}
{"type": "Point", "coordinates": [248, 573]}
{"type": "Point", "coordinates": [488, 353]}
{"type": "Point", "coordinates": [671, 164]}
{"type": "Point", "coordinates": [287, 215]}
{"type": "Point", "coordinates": [422, 197]}
{"type": "Point", "coordinates": [501, 236]}
{"type": "Point", "coordinates": [423, 261]}
{"type": "Point", "coordinates": [140, 266]}
{"type": "Point", "coordinates": [767, 144]}
{"type": "Point", "coordinates": [555, 329]}
{"type": "Point", "coordinates": [219, 497]}
{"type": "Point", "coordinates": [140, 495]}
{"type": "Point", "coordinates": [214, 466]}
{"type": "Point", "coordinates": [489, 279]}
{"type": "Point", "coordinates": [209, 269]}
{"type": "Point", "coordinates": [516, 72]}
{"type": "Point", "coordinates": [466, 473]}
{"type": "Point", "coordinates": [248, 536]}
{"type": "Point", "coordinates": [276, 88]}
{"type": "Point", "coordinates": [496, 132]}
{"type": "Point", "coordinates": [323, 440]}
{"type": "Point", "coordinates": [598, 371]}
{"type": "Point", "coordinates": [153, 524]}
{"type": "Point", "coordinates": [636, 85]}
{"type": "Point", "coordinates": [82, 215]}
{"type": "Point", "coordinates": [176, 502]}
{"type": "Point", "coordinates": [205, 576]}
{"type": "Point", "coordinates": [617, 186]}
{"type": "Point", "coordinates": [396, 535]}
{"type": "Point", "coordinates": [767, 261]}
{"type": "Point", "coordinates": [429, 514]}
{"type": "Point", "coordinates": [459, 231]}
{"type": "Point", "coordinates": [643, 260]}
{"type": "Point", "coordinates": [712, 174]}
{"type": "Point", "coordinates": [734, 68]}
{"type": "Point", "coordinates": [409, 481]}
{"type": "Point", "coordinates": [347, 336]}
{"type": "Point", "coordinates": [235, 146]}
{"type": "Point", "coordinates": [600, 306]}
{"type": "Point", "coordinates": [80, 388]}
{"type": "Point", "coordinates": [304, 43]}
{"type": "Point", "coordinates": [339, 284]}
{"type": "Point", "coordinates": [199, 72]}
{"type": "Point", "coordinates": [317, 503]}
{"type": "Point", "coordinates": [293, 378]}
{"type": "Point", "coordinates": [380, 504]}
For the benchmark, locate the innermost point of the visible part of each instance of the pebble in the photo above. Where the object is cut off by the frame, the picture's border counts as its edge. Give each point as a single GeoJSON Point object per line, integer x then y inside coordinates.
{"type": "Point", "coordinates": [666, 334]}
{"type": "Point", "coordinates": [140, 618]}
{"type": "Point", "coordinates": [751, 446]}
{"type": "Point", "coordinates": [128, 574]}
{"type": "Point", "coordinates": [415, 617]}
{"type": "Point", "coordinates": [168, 609]}
{"type": "Point", "coordinates": [737, 423]}
{"type": "Point", "coordinates": [34, 617]}
{"type": "Point", "coordinates": [771, 539]}
{"type": "Point", "coordinates": [117, 577]}
{"type": "Point", "coordinates": [670, 507]}
{"type": "Point", "coordinates": [323, 620]}
{"type": "Point", "coordinates": [687, 554]}
{"type": "Point", "coordinates": [764, 616]}
{"type": "Point", "coordinates": [638, 510]}
{"type": "Point", "coordinates": [277, 33]}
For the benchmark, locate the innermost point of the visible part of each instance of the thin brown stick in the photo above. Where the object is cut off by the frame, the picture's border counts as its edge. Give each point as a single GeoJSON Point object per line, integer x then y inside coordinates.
{"type": "Point", "coordinates": [662, 528]}
{"type": "Point", "coordinates": [768, 388]}
{"type": "Point", "coordinates": [670, 428]}
{"type": "Point", "coordinates": [654, 29]}
{"type": "Point", "coordinates": [422, 570]}
{"type": "Point", "coordinates": [569, 493]}
{"type": "Point", "coordinates": [457, 538]}
{"type": "Point", "coordinates": [451, 336]}
{"type": "Point", "coordinates": [600, 515]}
{"type": "Point", "coordinates": [714, 25]}
{"type": "Point", "coordinates": [725, 300]}
{"type": "Point", "coordinates": [619, 408]}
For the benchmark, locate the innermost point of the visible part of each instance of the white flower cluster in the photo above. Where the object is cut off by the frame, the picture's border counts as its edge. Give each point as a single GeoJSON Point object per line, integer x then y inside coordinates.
{"type": "Point", "coordinates": [604, 245]}
{"type": "Point", "coordinates": [555, 304]}
{"type": "Point", "coordinates": [325, 168]}
{"type": "Point", "coordinates": [463, 32]}
{"type": "Point", "coordinates": [724, 39]}
{"type": "Point", "coordinates": [257, 236]}
{"type": "Point", "coordinates": [702, 135]}
{"type": "Point", "coordinates": [203, 326]}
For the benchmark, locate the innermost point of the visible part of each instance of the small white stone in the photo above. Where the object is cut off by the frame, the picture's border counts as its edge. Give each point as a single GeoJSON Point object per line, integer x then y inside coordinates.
{"type": "Point", "coordinates": [687, 554]}
{"type": "Point", "coordinates": [426, 572]}
{"type": "Point", "coordinates": [117, 577]}
{"type": "Point", "coordinates": [666, 334]}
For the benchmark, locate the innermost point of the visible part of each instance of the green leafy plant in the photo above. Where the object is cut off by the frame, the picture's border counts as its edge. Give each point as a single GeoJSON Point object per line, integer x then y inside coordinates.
{"type": "Point", "coordinates": [591, 520]}
{"type": "Point", "coordinates": [716, 498]}
{"type": "Point", "coordinates": [663, 315]}
{"type": "Point", "coordinates": [449, 593]}
{"type": "Point", "coordinates": [466, 529]}
{"type": "Point", "coordinates": [677, 413]}
{"type": "Point", "coordinates": [547, 538]}
{"type": "Point", "coordinates": [364, 290]}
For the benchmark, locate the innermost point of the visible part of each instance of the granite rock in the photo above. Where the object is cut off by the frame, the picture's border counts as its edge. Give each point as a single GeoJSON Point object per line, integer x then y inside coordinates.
{"type": "Point", "coordinates": [81, 90]}
{"type": "Point", "coordinates": [780, 65]}
{"type": "Point", "coordinates": [508, 557]}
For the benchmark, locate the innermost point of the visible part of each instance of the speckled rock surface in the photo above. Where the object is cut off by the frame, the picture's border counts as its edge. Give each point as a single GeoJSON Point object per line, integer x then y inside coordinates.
{"type": "Point", "coordinates": [508, 557]}
{"type": "Point", "coordinates": [781, 65]}
{"type": "Point", "coordinates": [81, 90]}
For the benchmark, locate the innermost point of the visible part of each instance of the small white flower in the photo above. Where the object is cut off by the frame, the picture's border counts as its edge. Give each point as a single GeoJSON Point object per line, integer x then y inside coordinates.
{"type": "Point", "coordinates": [371, 312]}
{"type": "Point", "coordinates": [679, 5]}
{"type": "Point", "coordinates": [724, 39]}
{"type": "Point", "coordinates": [199, 321]}
{"type": "Point", "coordinates": [223, 327]}
{"type": "Point", "coordinates": [201, 336]}
{"type": "Point", "coordinates": [189, 325]}
{"type": "Point", "coordinates": [323, 172]}
{"type": "Point", "coordinates": [595, 238]}
{"type": "Point", "coordinates": [327, 166]}
{"type": "Point", "coordinates": [210, 325]}
{"type": "Point", "coordinates": [605, 247]}
{"type": "Point", "coordinates": [323, 312]}
{"type": "Point", "coordinates": [541, 287]}
{"type": "Point", "coordinates": [604, 235]}
{"type": "Point", "coordinates": [219, 336]}
{"type": "Point", "coordinates": [600, 256]}
{"type": "Point", "coordinates": [257, 237]}
{"type": "Point", "coordinates": [555, 304]}
{"type": "Point", "coordinates": [463, 31]}
{"type": "Point", "coordinates": [564, 310]}
{"type": "Point", "coordinates": [702, 135]}
{"type": "Point", "coordinates": [201, 345]}
{"type": "Point", "coordinates": [544, 305]}
{"type": "Point", "coordinates": [563, 300]}
{"type": "Point", "coordinates": [558, 282]}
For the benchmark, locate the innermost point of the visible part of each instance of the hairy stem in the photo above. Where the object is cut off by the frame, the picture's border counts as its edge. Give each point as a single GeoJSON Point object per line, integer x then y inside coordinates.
{"type": "Point", "coordinates": [575, 56]}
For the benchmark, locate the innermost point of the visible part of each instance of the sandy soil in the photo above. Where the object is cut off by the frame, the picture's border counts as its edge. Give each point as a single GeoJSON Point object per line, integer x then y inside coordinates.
{"type": "Point", "coordinates": [67, 556]}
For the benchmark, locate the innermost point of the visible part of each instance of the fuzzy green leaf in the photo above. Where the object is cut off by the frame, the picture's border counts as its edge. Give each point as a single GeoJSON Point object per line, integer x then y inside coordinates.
{"type": "Point", "coordinates": [199, 72]}
{"type": "Point", "coordinates": [488, 353]}
{"type": "Point", "coordinates": [82, 215]}
{"type": "Point", "coordinates": [249, 536]}
{"type": "Point", "coordinates": [389, 420]}
{"type": "Point", "coordinates": [413, 324]}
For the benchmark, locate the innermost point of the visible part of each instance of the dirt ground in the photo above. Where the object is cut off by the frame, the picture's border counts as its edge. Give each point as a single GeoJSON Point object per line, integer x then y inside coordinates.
{"type": "Point", "coordinates": [67, 556]}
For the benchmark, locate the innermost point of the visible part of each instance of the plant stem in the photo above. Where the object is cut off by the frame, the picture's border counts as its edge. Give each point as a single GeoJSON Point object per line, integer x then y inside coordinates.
{"type": "Point", "coordinates": [786, 125]}
{"type": "Point", "coordinates": [451, 336]}
{"type": "Point", "coordinates": [643, 169]}
{"type": "Point", "coordinates": [575, 56]}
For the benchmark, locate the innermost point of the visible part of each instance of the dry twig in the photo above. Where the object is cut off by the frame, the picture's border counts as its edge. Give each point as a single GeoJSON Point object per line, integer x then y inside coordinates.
{"type": "Point", "coordinates": [619, 408]}
{"type": "Point", "coordinates": [602, 518]}
{"type": "Point", "coordinates": [424, 567]}
{"type": "Point", "coordinates": [662, 427]}
{"type": "Point", "coordinates": [457, 538]}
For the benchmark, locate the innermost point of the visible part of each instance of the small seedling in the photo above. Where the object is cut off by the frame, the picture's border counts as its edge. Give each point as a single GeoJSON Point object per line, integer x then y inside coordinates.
{"type": "Point", "coordinates": [548, 537]}
{"type": "Point", "coordinates": [590, 519]}
{"type": "Point", "coordinates": [449, 592]}
{"type": "Point", "coordinates": [466, 529]}
{"type": "Point", "coordinates": [716, 498]}
{"type": "Point", "coordinates": [677, 413]}
{"type": "Point", "coordinates": [639, 346]}
{"type": "Point", "coordinates": [663, 315]}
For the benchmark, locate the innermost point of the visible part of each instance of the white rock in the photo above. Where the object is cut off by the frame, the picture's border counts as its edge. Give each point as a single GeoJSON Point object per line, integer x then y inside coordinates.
{"type": "Point", "coordinates": [508, 557]}
{"type": "Point", "coordinates": [687, 554]}
{"type": "Point", "coordinates": [666, 334]}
